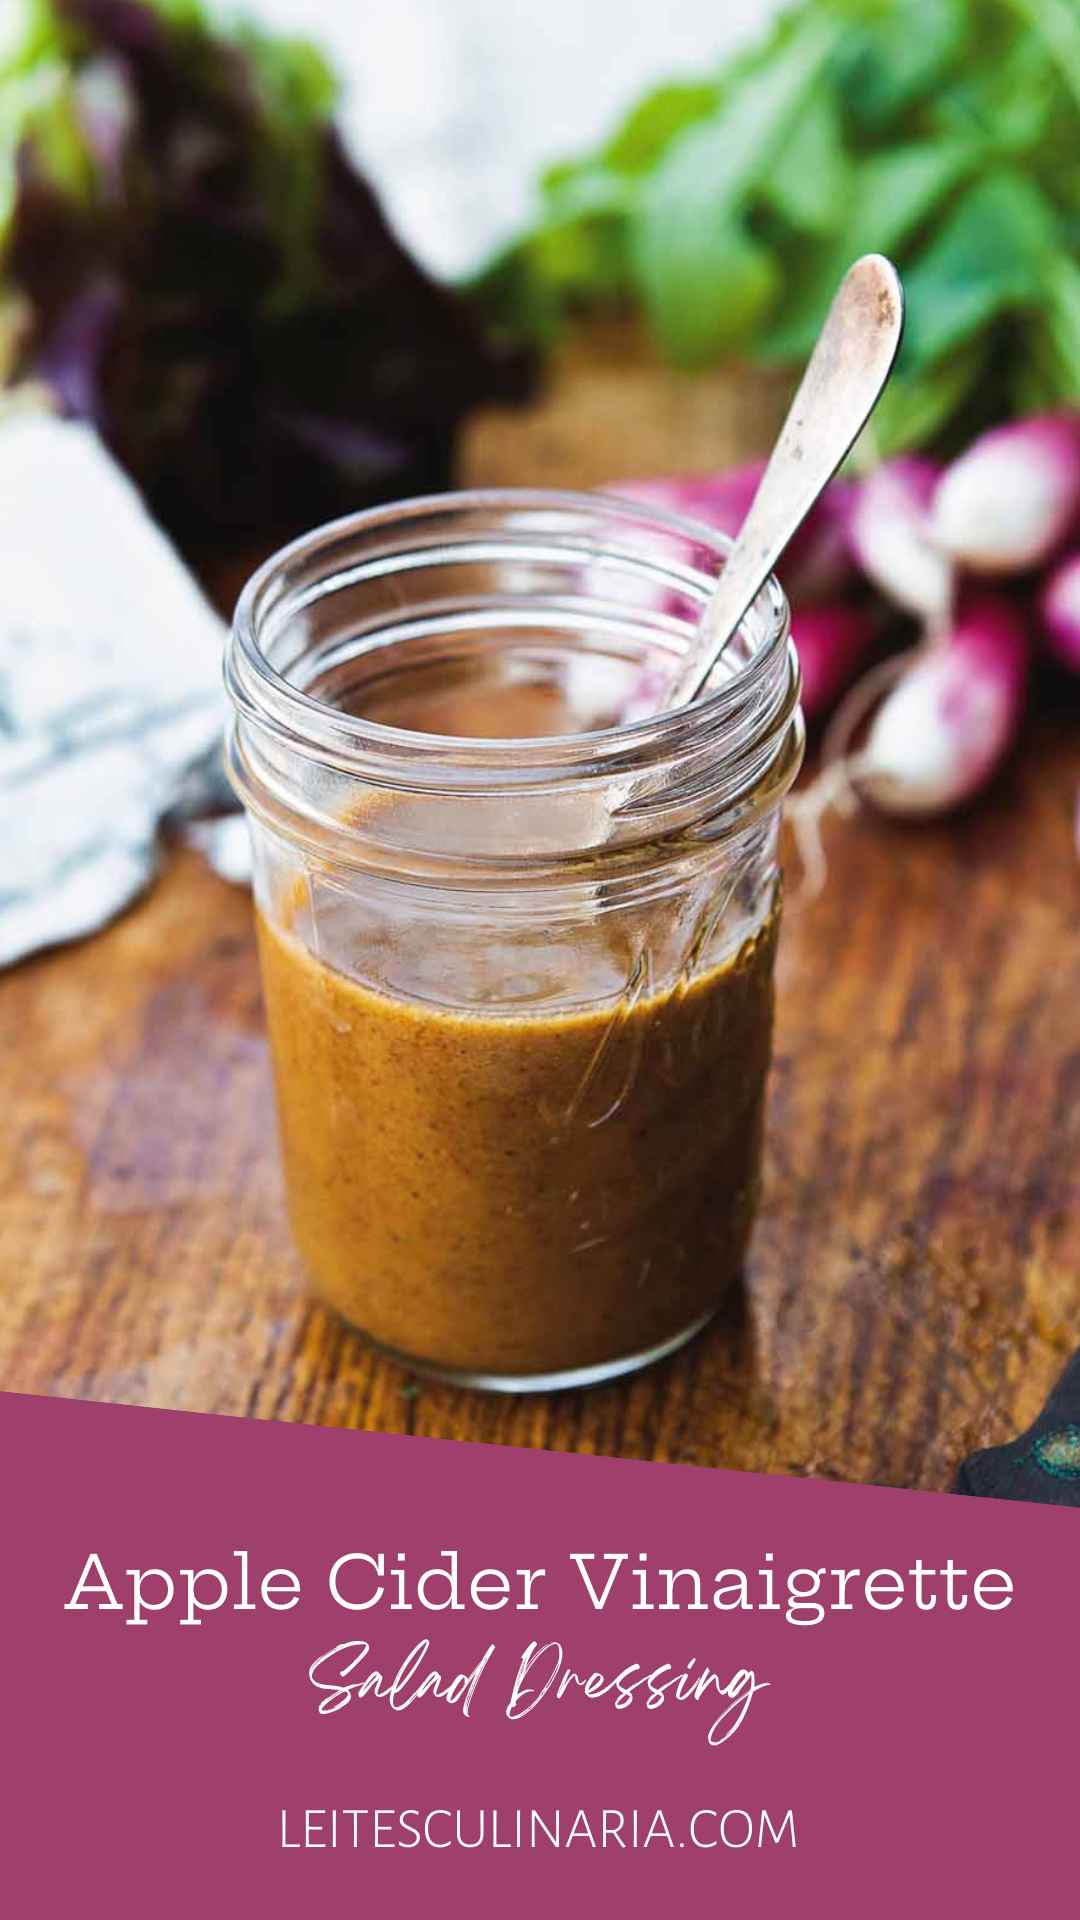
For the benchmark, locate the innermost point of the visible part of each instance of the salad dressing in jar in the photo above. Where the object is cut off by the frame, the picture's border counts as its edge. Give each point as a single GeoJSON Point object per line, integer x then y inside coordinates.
{"type": "Point", "coordinates": [517, 956]}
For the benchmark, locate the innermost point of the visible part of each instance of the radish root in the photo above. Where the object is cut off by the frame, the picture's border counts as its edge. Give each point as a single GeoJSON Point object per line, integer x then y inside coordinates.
{"type": "Point", "coordinates": [834, 790]}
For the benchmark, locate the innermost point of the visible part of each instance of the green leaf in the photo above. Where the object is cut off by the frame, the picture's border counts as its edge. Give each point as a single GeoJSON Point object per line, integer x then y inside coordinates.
{"type": "Point", "coordinates": [586, 193]}
{"type": "Point", "coordinates": [515, 296]}
{"type": "Point", "coordinates": [916, 406]}
{"type": "Point", "coordinates": [897, 54]}
{"type": "Point", "coordinates": [1058, 26]}
{"type": "Point", "coordinates": [990, 257]}
{"type": "Point", "coordinates": [1007, 97]}
{"type": "Point", "coordinates": [703, 280]}
{"type": "Point", "coordinates": [298, 85]}
{"type": "Point", "coordinates": [898, 189]}
{"type": "Point", "coordinates": [1058, 351]}
{"type": "Point", "coordinates": [653, 124]}
{"type": "Point", "coordinates": [579, 254]}
{"type": "Point", "coordinates": [894, 194]}
{"type": "Point", "coordinates": [707, 304]}
{"type": "Point", "coordinates": [184, 13]}
{"type": "Point", "coordinates": [810, 179]}
{"type": "Point", "coordinates": [29, 32]}
{"type": "Point", "coordinates": [714, 162]}
{"type": "Point", "coordinates": [941, 132]}
{"type": "Point", "coordinates": [38, 107]}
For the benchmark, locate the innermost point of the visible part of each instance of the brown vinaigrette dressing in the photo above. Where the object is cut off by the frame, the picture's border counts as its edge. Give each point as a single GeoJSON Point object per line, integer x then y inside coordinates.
{"type": "Point", "coordinates": [518, 1192]}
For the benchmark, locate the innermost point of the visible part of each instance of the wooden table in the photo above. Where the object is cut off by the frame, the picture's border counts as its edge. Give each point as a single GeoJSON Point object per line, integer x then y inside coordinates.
{"type": "Point", "coordinates": [914, 1283]}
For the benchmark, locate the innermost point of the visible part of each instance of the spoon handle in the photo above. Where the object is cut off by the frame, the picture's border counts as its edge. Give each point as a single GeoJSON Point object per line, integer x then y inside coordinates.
{"type": "Point", "coordinates": [845, 374]}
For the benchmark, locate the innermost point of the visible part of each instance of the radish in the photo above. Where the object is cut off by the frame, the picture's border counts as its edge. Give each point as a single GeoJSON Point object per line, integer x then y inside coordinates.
{"type": "Point", "coordinates": [817, 563]}
{"type": "Point", "coordinates": [832, 643]}
{"type": "Point", "coordinates": [1059, 609]}
{"type": "Point", "coordinates": [719, 499]}
{"type": "Point", "coordinates": [889, 535]}
{"type": "Point", "coordinates": [944, 717]}
{"type": "Point", "coordinates": [952, 716]}
{"type": "Point", "coordinates": [1011, 499]}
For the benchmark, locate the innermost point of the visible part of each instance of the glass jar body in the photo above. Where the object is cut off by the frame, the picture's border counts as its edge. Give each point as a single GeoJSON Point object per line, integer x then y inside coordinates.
{"type": "Point", "coordinates": [520, 1018]}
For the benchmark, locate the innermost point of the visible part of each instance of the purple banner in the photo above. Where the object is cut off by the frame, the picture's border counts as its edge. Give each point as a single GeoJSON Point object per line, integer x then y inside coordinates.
{"type": "Point", "coordinates": [251, 1668]}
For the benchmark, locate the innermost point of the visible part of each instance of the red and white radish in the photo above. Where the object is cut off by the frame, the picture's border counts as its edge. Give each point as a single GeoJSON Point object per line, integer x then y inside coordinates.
{"type": "Point", "coordinates": [817, 564]}
{"type": "Point", "coordinates": [832, 643]}
{"type": "Point", "coordinates": [719, 499]}
{"type": "Point", "coordinates": [889, 535]}
{"type": "Point", "coordinates": [944, 718]}
{"type": "Point", "coordinates": [1011, 500]}
{"type": "Point", "coordinates": [1059, 612]}
{"type": "Point", "coordinates": [948, 723]}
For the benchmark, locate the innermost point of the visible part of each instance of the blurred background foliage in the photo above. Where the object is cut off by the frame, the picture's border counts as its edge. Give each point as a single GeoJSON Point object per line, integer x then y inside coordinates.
{"type": "Point", "coordinates": [725, 207]}
{"type": "Point", "coordinates": [193, 259]}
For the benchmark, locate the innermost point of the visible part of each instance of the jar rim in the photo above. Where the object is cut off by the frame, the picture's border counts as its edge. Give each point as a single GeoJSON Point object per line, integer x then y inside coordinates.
{"type": "Point", "coordinates": [349, 742]}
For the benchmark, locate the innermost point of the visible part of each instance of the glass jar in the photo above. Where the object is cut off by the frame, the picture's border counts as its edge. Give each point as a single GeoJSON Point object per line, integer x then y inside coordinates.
{"type": "Point", "coordinates": [517, 945]}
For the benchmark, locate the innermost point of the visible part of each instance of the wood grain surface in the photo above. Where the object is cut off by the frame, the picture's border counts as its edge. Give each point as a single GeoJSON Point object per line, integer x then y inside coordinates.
{"type": "Point", "coordinates": [914, 1281]}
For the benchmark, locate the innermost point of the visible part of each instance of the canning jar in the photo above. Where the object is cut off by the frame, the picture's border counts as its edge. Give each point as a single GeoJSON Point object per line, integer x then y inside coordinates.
{"type": "Point", "coordinates": [516, 930]}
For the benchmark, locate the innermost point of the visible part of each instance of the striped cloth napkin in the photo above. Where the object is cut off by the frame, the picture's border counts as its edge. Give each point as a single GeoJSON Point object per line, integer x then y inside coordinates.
{"type": "Point", "coordinates": [111, 704]}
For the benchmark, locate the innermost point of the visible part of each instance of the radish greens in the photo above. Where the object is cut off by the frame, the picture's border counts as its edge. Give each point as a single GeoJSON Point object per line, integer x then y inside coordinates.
{"type": "Point", "coordinates": [945, 133]}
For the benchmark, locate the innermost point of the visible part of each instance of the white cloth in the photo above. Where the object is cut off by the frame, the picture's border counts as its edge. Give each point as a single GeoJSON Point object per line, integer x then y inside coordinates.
{"type": "Point", "coordinates": [110, 684]}
{"type": "Point", "coordinates": [454, 106]}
